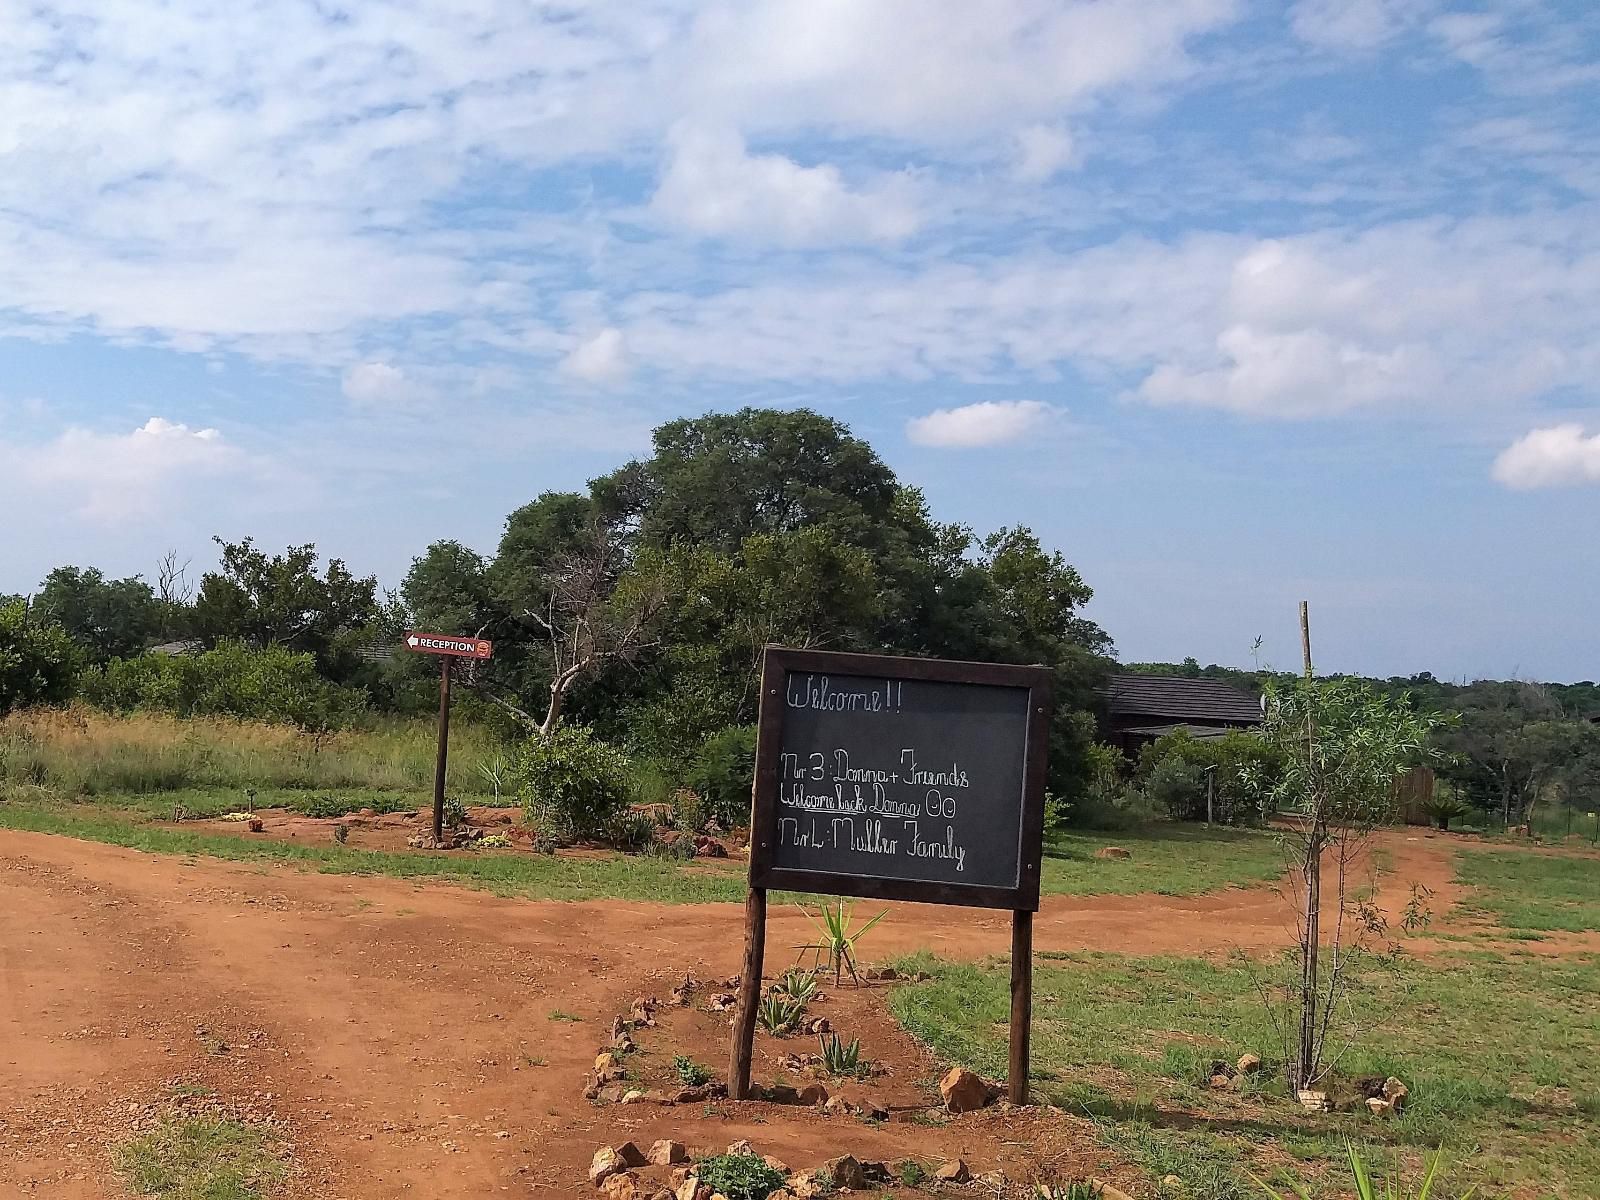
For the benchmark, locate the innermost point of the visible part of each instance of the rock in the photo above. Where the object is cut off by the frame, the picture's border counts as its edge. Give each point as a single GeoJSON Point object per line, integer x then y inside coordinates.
{"type": "Point", "coordinates": [837, 1106]}
{"type": "Point", "coordinates": [819, 1026]}
{"type": "Point", "coordinates": [665, 1153]}
{"type": "Point", "coordinates": [881, 974]}
{"type": "Point", "coordinates": [1220, 1082]}
{"type": "Point", "coordinates": [779, 1093]}
{"type": "Point", "coordinates": [1248, 1064]}
{"type": "Point", "coordinates": [813, 1095]}
{"type": "Point", "coordinates": [623, 1186]}
{"type": "Point", "coordinates": [1171, 1183]}
{"type": "Point", "coordinates": [805, 1187]}
{"type": "Point", "coordinates": [256, 825]}
{"type": "Point", "coordinates": [1105, 1191]}
{"type": "Point", "coordinates": [604, 1165]}
{"type": "Point", "coordinates": [644, 1010]}
{"type": "Point", "coordinates": [963, 1091]}
{"type": "Point", "coordinates": [708, 847]}
{"type": "Point", "coordinates": [721, 1001]}
{"type": "Point", "coordinates": [633, 1096]}
{"type": "Point", "coordinates": [682, 993]}
{"type": "Point", "coordinates": [953, 1172]}
{"type": "Point", "coordinates": [619, 1028]}
{"type": "Point", "coordinates": [677, 1175]}
{"type": "Point", "coordinates": [781, 1194]}
{"type": "Point", "coordinates": [611, 1093]}
{"type": "Point", "coordinates": [630, 1155]}
{"type": "Point", "coordinates": [777, 1164]}
{"type": "Point", "coordinates": [1113, 852]}
{"type": "Point", "coordinates": [742, 1146]}
{"type": "Point", "coordinates": [842, 1172]}
{"type": "Point", "coordinates": [604, 1062]}
{"type": "Point", "coordinates": [623, 1043]}
{"type": "Point", "coordinates": [1379, 1107]}
{"type": "Point", "coordinates": [691, 1189]}
{"type": "Point", "coordinates": [1395, 1092]}
{"type": "Point", "coordinates": [662, 1194]}
{"type": "Point", "coordinates": [1314, 1100]}
{"type": "Point", "coordinates": [874, 1109]}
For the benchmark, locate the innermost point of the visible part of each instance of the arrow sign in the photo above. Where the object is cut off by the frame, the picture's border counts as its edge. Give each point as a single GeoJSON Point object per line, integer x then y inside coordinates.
{"type": "Point", "coordinates": [444, 643]}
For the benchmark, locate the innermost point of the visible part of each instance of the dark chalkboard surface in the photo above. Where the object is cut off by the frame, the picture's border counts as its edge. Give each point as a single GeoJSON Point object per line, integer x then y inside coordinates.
{"type": "Point", "coordinates": [902, 778]}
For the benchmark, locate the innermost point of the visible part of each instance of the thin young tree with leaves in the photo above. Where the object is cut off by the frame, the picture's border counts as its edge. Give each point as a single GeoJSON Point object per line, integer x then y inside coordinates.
{"type": "Point", "coordinates": [1344, 744]}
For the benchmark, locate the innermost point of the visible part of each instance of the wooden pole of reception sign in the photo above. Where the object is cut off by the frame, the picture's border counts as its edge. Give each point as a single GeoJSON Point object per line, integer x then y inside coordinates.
{"type": "Point", "coordinates": [447, 647]}
{"type": "Point", "coordinates": [898, 779]}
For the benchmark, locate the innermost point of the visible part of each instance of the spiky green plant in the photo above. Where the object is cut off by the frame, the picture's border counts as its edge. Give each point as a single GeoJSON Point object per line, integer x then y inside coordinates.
{"type": "Point", "coordinates": [1367, 1188]}
{"type": "Point", "coordinates": [778, 1014]}
{"type": "Point", "coordinates": [840, 1057]}
{"type": "Point", "coordinates": [797, 985]}
{"type": "Point", "coordinates": [836, 947]}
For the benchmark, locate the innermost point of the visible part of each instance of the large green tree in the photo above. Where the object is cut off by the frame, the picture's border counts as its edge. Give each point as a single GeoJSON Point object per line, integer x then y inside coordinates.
{"type": "Point", "coordinates": [280, 600]}
{"type": "Point", "coordinates": [38, 660]}
{"type": "Point", "coordinates": [109, 618]}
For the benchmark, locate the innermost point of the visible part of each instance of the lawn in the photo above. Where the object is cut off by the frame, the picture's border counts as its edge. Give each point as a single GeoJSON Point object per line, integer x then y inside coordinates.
{"type": "Point", "coordinates": [202, 1158]}
{"type": "Point", "coordinates": [1167, 858]}
{"type": "Point", "coordinates": [1502, 1055]}
{"type": "Point", "coordinates": [1534, 893]}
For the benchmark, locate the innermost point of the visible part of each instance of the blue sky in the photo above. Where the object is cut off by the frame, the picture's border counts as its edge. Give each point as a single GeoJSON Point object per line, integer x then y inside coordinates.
{"type": "Point", "coordinates": [1235, 303]}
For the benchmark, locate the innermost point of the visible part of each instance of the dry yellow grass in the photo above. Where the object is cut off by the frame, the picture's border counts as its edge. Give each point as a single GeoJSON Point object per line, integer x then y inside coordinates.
{"type": "Point", "coordinates": [81, 751]}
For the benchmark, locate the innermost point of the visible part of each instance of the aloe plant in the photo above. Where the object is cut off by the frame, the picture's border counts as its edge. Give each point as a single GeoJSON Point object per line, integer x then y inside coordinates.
{"type": "Point", "coordinates": [1367, 1188]}
{"type": "Point", "coordinates": [840, 1057]}
{"type": "Point", "coordinates": [778, 1014]}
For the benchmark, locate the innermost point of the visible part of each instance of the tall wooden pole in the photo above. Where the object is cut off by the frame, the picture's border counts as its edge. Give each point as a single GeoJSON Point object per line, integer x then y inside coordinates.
{"type": "Point", "coordinates": [1021, 1005]}
{"type": "Point", "coordinates": [1305, 635]}
{"type": "Point", "coordinates": [444, 750]}
{"type": "Point", "coordinates": [744, 1022]}
{"type": "Point", "coordinates": [1311, 932]}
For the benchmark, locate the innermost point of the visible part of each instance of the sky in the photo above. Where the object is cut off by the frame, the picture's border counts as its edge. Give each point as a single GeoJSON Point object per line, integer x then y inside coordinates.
{"type": "Point", "coordinates": [1236, 303]}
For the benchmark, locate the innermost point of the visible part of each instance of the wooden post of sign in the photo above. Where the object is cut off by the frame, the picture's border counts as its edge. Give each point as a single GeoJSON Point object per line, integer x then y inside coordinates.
{"type": "Point", "coordinates": [444, 750]}
{"type": "Point", "coordinates": [744, 1025]}
{"type": "Point", "coordinates": [1021, 1005]}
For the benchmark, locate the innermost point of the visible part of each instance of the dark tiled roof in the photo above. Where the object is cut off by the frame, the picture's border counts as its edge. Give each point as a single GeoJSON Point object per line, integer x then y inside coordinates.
{"type": "Point", "coordinates": [1180, 699]}
{"type": "Point", "coordinates": [1199, 732]}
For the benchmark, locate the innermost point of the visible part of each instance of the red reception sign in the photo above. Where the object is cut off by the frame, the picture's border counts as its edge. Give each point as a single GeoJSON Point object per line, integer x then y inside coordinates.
{"type": "Point", "coordinates": [456, 647]}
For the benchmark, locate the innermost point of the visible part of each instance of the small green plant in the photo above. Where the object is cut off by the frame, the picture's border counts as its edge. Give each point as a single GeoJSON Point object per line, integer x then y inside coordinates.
{"type": "Point", "coordinates": [779, 1014]}
{"type": "Point", "coordinates": [836, 949]}
{"type": "Point", "coordinates": [911, 1173]}
{"type": "Point", "coordinates": [495, 841]}
{"type": "Point", "coordinates": [739, 1176]}
{"type": "Point", "coordinates": [557, 1014]}
{"type": "Point", "coordinates": [797, 985]}
{"type": "Point", "coordinates": [1392, 1188]}
{"type": "Point", "coordinates": [840, 1057]}
{"type": "Point", "coordinates": [1072, 1189]}
{"type": "Point", "coordinates": [496, 772]}
{"type": "Point", "coordinates": [455, 812]}
{"type": "Point", "coordinates": [691, 1072]}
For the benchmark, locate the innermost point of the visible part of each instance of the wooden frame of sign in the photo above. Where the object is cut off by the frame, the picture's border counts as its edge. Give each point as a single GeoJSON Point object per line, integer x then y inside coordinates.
{"type": "Point", "coordinates": [842, 806]}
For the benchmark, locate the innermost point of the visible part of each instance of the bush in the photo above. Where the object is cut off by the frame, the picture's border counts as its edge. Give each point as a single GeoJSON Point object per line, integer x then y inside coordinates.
{"type": "Point", "coordinates": [722, 773]}
{"type": "Point", "coordinates": [740, 1176]}
{"type": "Point", "coordinates": [38, 662]}
{"type": "Point", "coordinates": [573, 784]}
{"type": "Point", "coordinates": [232, 680]}
{"type": "Point", "coordinates": [1173, 768]}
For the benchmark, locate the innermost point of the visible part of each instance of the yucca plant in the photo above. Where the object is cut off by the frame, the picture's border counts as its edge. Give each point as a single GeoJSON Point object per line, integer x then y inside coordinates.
{"type": "Point", "coordinates": [1074, 1189]}
{"type": "Point", "coordinates": [840, 1057]}
{"type": "Point", "coordinates": [778, 1014]}
{"type": "Point", "coordinates": [836, 948]}
{"type": "Point", "coordinates": [1392, 1188]}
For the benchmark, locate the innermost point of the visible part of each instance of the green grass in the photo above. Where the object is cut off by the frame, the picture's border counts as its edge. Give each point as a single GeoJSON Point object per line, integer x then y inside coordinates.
{"type": "Point", "coordinates": [1167, 858]}
{"type": "Point", "coordinates": [544, 877]}
{"type": "Point", "coordinates": [202, 1158]}
{"type": "Point", "coordinates": [1502, 1055]}
{"type": "Point", "coordinates": [1534, 893]}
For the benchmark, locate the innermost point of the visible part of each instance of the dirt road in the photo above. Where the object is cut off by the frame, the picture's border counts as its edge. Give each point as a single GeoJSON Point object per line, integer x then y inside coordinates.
{"type": "Point", "coordinates": [425, 1040]}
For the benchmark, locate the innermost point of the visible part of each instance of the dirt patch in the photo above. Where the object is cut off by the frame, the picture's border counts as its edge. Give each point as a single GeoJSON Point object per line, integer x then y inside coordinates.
{"type": "Point", "coordinates": [413, 1038]}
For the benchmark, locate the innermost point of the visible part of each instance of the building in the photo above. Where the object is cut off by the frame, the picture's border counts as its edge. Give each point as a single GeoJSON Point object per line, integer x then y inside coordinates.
{"type": "Point", "coordinates": [1141, 708]}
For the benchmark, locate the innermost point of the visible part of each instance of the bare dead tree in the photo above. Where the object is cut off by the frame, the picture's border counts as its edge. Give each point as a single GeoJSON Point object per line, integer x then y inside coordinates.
{"type": "Point", "coordinates": [172, 580]}
{"type": "Point", "coordinates": [597, 608]}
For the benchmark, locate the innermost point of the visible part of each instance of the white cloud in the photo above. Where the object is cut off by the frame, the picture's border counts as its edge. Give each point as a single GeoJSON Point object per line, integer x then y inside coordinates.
{"type": "Point", "coordinates": [600, 358]}
{"type": "Point", "coordinates": [1042, 151]}
{"type": "Point", "coordinates": [116, 478]}
{"type": "Point", "coordinates": [1558, 456]}
{"type": "Point", "coordinates": [988, 423]}
{"type": "Point", "coordinates": [374, 383]}
{"type": "Point", "coordinates": [714, 186]}
{"type": "Point", "coordinates": [1354, 24]}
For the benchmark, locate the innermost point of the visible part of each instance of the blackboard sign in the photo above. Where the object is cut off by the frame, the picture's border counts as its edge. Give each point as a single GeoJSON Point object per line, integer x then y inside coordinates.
{"type": "Point", "coordinates": [900, 778]}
